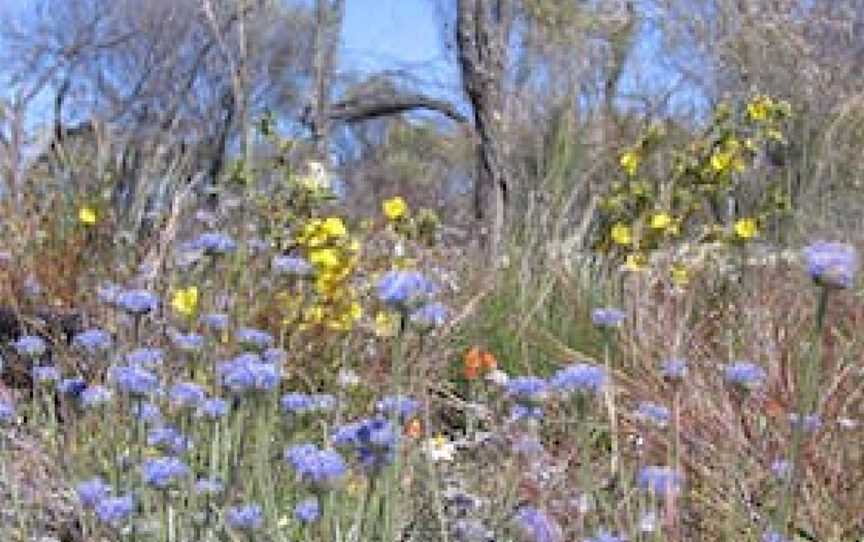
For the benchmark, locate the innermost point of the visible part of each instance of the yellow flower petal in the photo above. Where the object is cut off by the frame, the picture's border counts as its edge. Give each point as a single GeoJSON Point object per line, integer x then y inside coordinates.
{"type": "Point", "coordinates": [394, 208]}
{"type": "Point", "coordinates": [87, 216]}
{"type": "Point", "coordinates": [746, 228]}
{"type": "Point", "coordinates": [622, 234]}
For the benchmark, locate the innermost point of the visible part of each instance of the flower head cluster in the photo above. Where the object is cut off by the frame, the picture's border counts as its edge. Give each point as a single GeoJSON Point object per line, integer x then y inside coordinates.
{"type": "Point", "coordinates": [292, 266]}
{"type": "Point", "coordinates": [149, 358]}
{"type": "Point", "coordinates": [248, 517]}
{"type": "Point", "coordinates": [302, 403]}
{"type": "Point", "coordinates": [213, 409]}
{"type": "Point", "coordinates": [404, 289]}
{"type": "Point", "coordinates": [248, 373]}
{"type": "Point", "coordinates": [314, 465]}
{"type": "Point", "coordinates": [831, 264]}
{"type": "Point", "coordinates": [254, 338]}
{"type": "Point", "coordinates": [187, 394]}
{"type": "Point", "coordinates": [164, 472]}
{"type": "Point", "coordinates": [133, 380]}
{"type": "Point", "coordinates": [187, 342]}
{"type": "Point", "coordinates": [214, 243]}
{"type": "Point", "coordinates": [90, 492]}
{"type": "Point", "coordinates": [579, 377]}
{"type": "Point", "coordinates": [430, 316]}
{"type": "Point", "coordinates": [478, 361]}
{"type": "Point", "coordinates": [307, 510]}
{"type": "Point", "coordinates": [398, 406]}
{"type": "Point", "coordinates": [95, 396]}
{"type": "Point", "coordinates": [374, 440]}
{"type": "Point", "coordinates": [169, 439]}
{"type": "Point", "coordinates": [607, 318]}
{"type": "Point", "coordinates": [744, 374]}
{"type": "Point", "coordinates": [653, 413]}
{"type": "Point", "coordinates": [45, 373]}
{"type": "Point", "coordinates": [93, 340]}
{"type": "Point", "coordinates": [605, 536]}
{"type": "Point", "coordinates": [659, 480]}
{"type": "Point", "coordinates": [7, 412]}
{"type": "Point", "coordinates": [674, 369]}
{"type": "Point", "coordinates": [115, 510]}
{"type": "Point", "coordinates": [537, 526]}
{"type": "Point", "coordinates": [32, 346]}
{"type": "Point", "coordinates": [137, 302]}
{"type": "Point", "coordinates": [73, 387]}
{"type": "Point", "coordinates": [527, 393]}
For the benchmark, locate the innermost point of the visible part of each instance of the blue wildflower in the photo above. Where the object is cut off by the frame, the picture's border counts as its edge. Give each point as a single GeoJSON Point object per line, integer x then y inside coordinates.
{"type": "Point", "coordinates": [314, 465]}
{"type": "Point", "coordinates": [92, 491]}
{"type": "Point", "coordinates": [808, 423]}
{"type": "Point", "coordinates": [213, 409]}
{"type": "Point", "coordinates": [831, 264]}
{"type": "Point", "coordinates": [93, 340]}
{"type": "Point", "coordinates": [301, 403]}
{"type": "Point", "coordinates": [605, 536]}
{"type": "Point", "coordinates": [187, 394]}
{"type": "Point", "coordinates": [107, 292]}
{"type": "Point", "coordinates": [94, 396]}
{"type": "Point", "coordinates": [522, 411]}
{"type": "Point", "coordinates": [45, 373]}
{"type": "Point", "coordinates": [187, 342]}
{"type": "Point", "coordinates": [137, 302]}
{"type": "Point", "coordinates": [607, 317]}
{"type": "Point", "coordinates": [537, 526]}
{"type": "Point", "coordinates": [773, 536]}
{"type": "Point", "coordinates": [781, 469]}
{"type": "Point", "coordinates": [149, 358]}
{"type": "Point", "coordinates": [216, 321]}
{"type": "Point", "coordinates": [291, 265]}
{"type": "Point", "coordinates": [404, 289]}
{"type": "Point", "coordinates": [744, 374]}
{"type": "Point", "coordinates": [209, 486]}
{"type": "Point", "coordinates": [254, 338]}
{"type": "Point", "coordinates": [430, 316]}
{"type": "Point", "coordinates": [247, 517]}
{"type": "Point", "coordinates": [308, 510]}
{"type": "Point", "coordinates": [374, 440]}
{"type": "Point", "coordinates": [661, 481]}
{"type": "Point", "coordinates": [400, 406]}
{"type": "Point", "coordinates": [146, 412]}
{"type": "Point", "coordinates": [133, 380]}
{"type": "Point", "coordinates": [71, 386]}
{"type": "Point", "coordinates": [579, 377]}
{"type": "Point", "coordinates": [276, 356]}
{"type": "Point", "coordinates": [214, 243]}
{"type": "Point", "coordinates": [169, 439]}
{"type": "Point", "coordinates": [248, 373]}
{"type": "Point", "coordinates": [527, 388]}
{"type": "Point", "coordinates": [674, 369]}
{"type": "Point", "coordinates": [7, 412]}
{"type": "Point", "coordinates": [115, 510]}
{"type": "Point", "coordinates": [653, 413]}
{"type": "Point", "coordinates": [30, 345]}
{"type": "Point", "coordinates": [163, 472]}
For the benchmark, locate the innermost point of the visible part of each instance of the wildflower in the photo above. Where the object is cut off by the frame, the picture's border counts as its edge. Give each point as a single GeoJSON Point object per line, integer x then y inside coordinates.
{"type": "Point", "coordinates": [621, 234]}
{"type": "Point", "coordinates": [374, 440]}
{"type": "Point", "coordinates": [773, 536]}
{"type": "Point", "coordinates": [660, 221]}
{"type": "Point", "coordinates": [579, 377]}
{"type": "Point", "coordinates": [276, 356]}
{"type": "Point", "coordinates": [7, 412]}
{"type": "Point", "coordinates": [680, 275]}
{"type": "Point", "coordinates": [164, 472]}
{"type": "Point", "coordinates": [87, 216]}
{"type": "Point", "coordinates": [45, 373]}
{"type": "Point", "coordinates": [831, 264]}
{"type": "Point", "coordinates": [498, 377]}
{"type": "Point", "coordinates": [213, 409]}
{"type": "Point", "coordinates": [137, 302]}
{"type": "Point", "coordinates": [648, 522]}
{"type": "Point", "coordinates": [394, 208]}
{"type": "Point", "coordinates": [148, 358]}
{"type": "Point", "coordinates": [30, 345]}
{"type": "Point", "coordinates": [93, 340]}
{"type": "Point", "coordinates": [439, 448]}
{"type": "Point", "coordinates": [95, 396]}
{"type": "Point", "coordinates": [71, 386]}
{"type": "Point", "coordinates": [537, 526]}
{"type": "Point", "coordinates": [216, 321]}
{"type": "Point", "coordinates": [674, 369]}
{"type": "Point", "coordinates": [477, 361]}
{"type": "Point", "coordinates": [401, 289]}
{"type": "Point", "coordinates": [607, 317]}
{"type": "Point", "coordinates": [247, 517]}
{"type": "Point", "coordinates": [291, 265]}
{"type": "Point", "coordinates": [605, 536]}
{"type": "Point", "coordinates": [92, 491]}
{"type": "Point", "coordinates": [187, 394]}
{"type": "Point", "coordinates": [399, 406]}
{"type": "Point", "coordinates": [385, 324]}
{"type": "Point", "coordinates": [347, 378]}
{"type": "Point", "coordinates": [308, 510]}
{"type": "Point", "coordinates": [746, 229]}
{"type": "Point", "coordinates": [653, 413]}
{"type": "Point", "coordinates": [134, 380]}
{"type": "Point", "coordinates": [744, 374]}
{"type": "Point", "coordinates": [185, 301]}
{"type": "Point", "coordinates": [759, 107]}
{"type": "Point", "coordinates": [115, 510]}
{"type": "Point", "coordinates": [808, 423]}
{"type": "Point", "coordinates": [214, 243]}
{"type": "Point", "coordinates": [430, 316]}
{"type": "Point", "coordinates": [301, 403]}
{"type": "Point", "coordinates": [107, 292]}
{"type": "Point", "coordinates": [661, 481]}
{"type": "Point", "coordinates": [147, 412]}
{"type": "Point", "coordinates": [635, 261]}
{"type": "Point", "coordinates": [334, 227]}
{"type": "Point", "coordinates": [187, 342]}
{"type": "Point", "coordinates": [208, 486]}
{"type": "Point", "coordinates": [527, 388]}
{"type": "Point", "coordinates": [781, 469]}
{"type": "Point", "coordinates": [247, 373]}
{"type": "Point", "coordinates": [254, 338]}
{"type": "Point", "coordinates": [314, 465]}
{"type": "Point", "coordinates": [169, 439]}
{"type": "Point", "coordinates": [629, 162]}
{"type": "Point", "coordinates": [414, 428]}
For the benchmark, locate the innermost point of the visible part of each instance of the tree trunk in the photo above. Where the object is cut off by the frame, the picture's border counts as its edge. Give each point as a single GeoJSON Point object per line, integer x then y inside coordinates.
{"type": "Point", "coordinates": [328, 25]}
{"type": "Point", "coordinates": [482, 39]}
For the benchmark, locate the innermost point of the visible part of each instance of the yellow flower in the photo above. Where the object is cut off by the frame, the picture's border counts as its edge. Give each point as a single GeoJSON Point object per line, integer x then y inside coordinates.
{"type": "Point", "coordinates": [745, 228]}
{"type": "Point", "coordinates": [758, 108]}
{"type": "Point", "coordinates": [660, 221]}
{"type": "Point", "coordinates": [629, 162]}
{"type": "Point", "coordinates": [87, 216]}
{"type": "Point", "coordinates": [680, 275]}
{"type": "Point", "coordinates": [721, 161]}
{"type": "Point", "coordinates": [394, 208]}
{"type": "Point", "coordinates": [326, 258]}
{"type": "Point", "coordinates": [636, 261]}
{"type": "Point", "coordinates": [334, 227]}
{"type": "Point", "coordinates": [185, 301]}
{"type": "Point", "coordinates": [385, 324]}
{"type": "Point", "coordinates": [622, 234]}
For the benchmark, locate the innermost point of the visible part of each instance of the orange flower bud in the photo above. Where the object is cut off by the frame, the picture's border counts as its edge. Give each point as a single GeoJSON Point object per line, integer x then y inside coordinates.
{"type": "Point", "coordinates": [414, 428]}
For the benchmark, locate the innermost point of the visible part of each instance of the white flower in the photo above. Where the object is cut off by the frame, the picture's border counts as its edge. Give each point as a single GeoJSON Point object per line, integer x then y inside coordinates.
{"type": "Point", "coordinates": [348, 378]}
{"type": "Point", "coordinates": [498, 377]}
{"type": "Point", "coordinates": [439, 449]}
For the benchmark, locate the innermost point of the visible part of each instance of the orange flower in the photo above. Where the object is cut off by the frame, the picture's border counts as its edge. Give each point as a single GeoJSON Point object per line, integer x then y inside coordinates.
{"type": "Point", "coordinates": [477, 361]}
{"type": "Point", "coordinates": [488, 361]}
{"type": "Point", "coordinates": [414, 428]}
